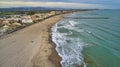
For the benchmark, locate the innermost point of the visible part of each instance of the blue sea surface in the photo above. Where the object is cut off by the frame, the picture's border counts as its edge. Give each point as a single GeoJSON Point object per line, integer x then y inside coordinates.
{"type": "Point", "coordinates": [89, 42]}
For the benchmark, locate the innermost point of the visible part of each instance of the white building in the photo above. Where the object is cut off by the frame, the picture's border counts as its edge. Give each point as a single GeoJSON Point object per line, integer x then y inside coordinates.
{"type": "Point", "coordinates": [25, 21]}
{"type": "Point", "coordinates": [6, 22]}
{"type": "Point", "coordinates": [4, 29]}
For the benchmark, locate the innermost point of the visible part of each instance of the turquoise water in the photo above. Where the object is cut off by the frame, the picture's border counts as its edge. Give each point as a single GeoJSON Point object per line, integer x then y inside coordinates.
{"type": "Point", "coordinates": [89, 42]}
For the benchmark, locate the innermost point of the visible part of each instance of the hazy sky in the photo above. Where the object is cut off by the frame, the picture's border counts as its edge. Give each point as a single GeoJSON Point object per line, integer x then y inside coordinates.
{"type": "Point", "coordinates": [115, 4]}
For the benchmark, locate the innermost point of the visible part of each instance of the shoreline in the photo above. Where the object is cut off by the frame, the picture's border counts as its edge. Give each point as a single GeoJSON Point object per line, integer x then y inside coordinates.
{"type": "Point", "coordinates": [40, 47]}
{"type": "Point", "coordinates": [53, 57]}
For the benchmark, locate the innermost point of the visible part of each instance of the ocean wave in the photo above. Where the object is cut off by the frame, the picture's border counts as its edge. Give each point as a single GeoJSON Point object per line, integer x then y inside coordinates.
{"type": "Point", "coordinates": [70, 49]}
{"type": "Point", "coordinates": [71, 25]}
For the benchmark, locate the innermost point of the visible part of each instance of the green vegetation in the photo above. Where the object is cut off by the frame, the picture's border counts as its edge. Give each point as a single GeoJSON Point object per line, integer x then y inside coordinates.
{"type": "Point", "coordinates": [23, 12]}
{"type": "Point", "coordinates": [2, 13]}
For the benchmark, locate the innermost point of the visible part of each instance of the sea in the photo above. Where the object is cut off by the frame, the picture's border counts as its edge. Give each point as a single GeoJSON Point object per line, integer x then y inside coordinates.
{"type": "Point", "coordinates": [88, 39]}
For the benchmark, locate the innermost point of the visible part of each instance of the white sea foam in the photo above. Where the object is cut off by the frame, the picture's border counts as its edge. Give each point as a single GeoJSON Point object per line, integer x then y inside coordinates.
{"type": "Point", "coordinates": [70, 26]}
{"type": "Point", "coordinates": [70, 49]}
{"type": "Point", "coordinates": [72, 23]}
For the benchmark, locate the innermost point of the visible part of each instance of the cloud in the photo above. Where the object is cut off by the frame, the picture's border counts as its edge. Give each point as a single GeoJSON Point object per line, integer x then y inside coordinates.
{"type": "Point", "coordinates": [5, 4]}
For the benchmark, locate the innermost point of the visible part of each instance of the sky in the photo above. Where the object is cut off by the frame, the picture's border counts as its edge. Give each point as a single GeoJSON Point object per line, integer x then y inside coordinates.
{"type": "Point", "coordinates": [78, 4]}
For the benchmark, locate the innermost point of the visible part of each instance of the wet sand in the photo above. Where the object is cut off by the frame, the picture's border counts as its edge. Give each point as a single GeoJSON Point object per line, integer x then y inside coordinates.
{"type": "Point", "coordinates": [30, 47]}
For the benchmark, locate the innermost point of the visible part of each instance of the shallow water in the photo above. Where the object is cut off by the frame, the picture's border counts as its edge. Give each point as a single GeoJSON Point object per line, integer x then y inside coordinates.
{"type": "Point", "coordinates": [89, 42]}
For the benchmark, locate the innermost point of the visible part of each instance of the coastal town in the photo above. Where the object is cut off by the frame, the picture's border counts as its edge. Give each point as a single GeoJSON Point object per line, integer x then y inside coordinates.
{"type": "Point", "coordinates": [11, 23]}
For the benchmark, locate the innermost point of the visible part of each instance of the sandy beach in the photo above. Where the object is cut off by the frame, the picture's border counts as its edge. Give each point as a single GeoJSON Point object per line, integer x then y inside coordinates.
{"type": "Point", "coordinates": [30, 47]}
